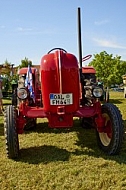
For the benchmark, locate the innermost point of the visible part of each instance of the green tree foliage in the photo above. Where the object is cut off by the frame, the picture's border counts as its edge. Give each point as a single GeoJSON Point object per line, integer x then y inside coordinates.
{"type": "Point", "coordinates": [109, 69]}
{"type": "Point", "coordinates": [25, 62]}
{"type": "Point", "coordinates": [5, 72]}
{"type": "Point", "coordinates": [6, 68]}
{"type": "Point", "coordinates": [8, 75]}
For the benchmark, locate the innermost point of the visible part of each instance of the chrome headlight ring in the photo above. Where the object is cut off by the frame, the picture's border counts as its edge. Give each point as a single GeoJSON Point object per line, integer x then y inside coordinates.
{"type": "Point", "coordinates": [97, 92]}
{"type": "Point", "coordinates": [22, 93]}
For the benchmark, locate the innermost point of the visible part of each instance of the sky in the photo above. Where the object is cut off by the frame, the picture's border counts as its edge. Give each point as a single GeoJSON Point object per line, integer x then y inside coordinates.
{"type": "Point", "coordinates": [30, 28]}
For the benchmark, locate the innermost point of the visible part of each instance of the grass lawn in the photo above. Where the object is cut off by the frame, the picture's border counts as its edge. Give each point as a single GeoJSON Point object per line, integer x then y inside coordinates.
{"type": "Point", "coordinates": [63, 159]}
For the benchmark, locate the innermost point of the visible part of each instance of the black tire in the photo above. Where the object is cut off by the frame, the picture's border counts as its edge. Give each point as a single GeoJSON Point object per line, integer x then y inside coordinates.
{"type": "Point", "coordinates": [10, 131]}
{"type": "Point", "coordinates": [14, 99]}
{"type": "Point", "coordinates": [110, 141]}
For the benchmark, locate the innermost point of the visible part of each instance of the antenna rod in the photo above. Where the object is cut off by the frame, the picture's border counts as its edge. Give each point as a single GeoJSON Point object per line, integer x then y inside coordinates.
{"type": "Point", "coordinates": [79, 40]}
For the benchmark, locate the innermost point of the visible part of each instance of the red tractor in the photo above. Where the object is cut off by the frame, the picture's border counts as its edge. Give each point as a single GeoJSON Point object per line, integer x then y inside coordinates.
{"type": "Point", "coordinates": [63, 92]}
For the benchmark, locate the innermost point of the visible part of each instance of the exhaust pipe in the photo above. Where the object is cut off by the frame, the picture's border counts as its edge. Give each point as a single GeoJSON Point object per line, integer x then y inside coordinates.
{"type": "Point", "coordinates": [80, 56]}
{"type": "Point", "coordinates": [79, 41]}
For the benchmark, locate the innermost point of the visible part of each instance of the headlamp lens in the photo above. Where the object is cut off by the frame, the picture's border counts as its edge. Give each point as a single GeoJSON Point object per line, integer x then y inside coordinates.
{"type": "Point", "coordinates": [97, 92]}
{"type": "Point", "coordinates": [22, 93]}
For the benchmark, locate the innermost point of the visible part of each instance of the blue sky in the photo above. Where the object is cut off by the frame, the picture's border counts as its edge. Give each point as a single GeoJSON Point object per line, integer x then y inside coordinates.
{"type": "Point", "coordinates": [30, 28]}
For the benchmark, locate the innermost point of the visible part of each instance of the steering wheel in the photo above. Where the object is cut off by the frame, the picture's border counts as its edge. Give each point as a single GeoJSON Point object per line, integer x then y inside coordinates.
{"type": "Point", "coordinates": [86, 58]}
{"type": "Point", "coordinates": [57, 49]}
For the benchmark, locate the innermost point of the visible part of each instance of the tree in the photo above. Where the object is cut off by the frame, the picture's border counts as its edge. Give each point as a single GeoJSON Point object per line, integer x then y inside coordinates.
{"type": "Point", "coordinates": [6, 68]}
{"type": "Point", "coordinates": [109, 69]}
{"type": "Point", "coordinates": [120, 69]}
{"type": "Point", "coordinates": [6, 71]}
{"type": "Point", "coordinates": [25, 62]}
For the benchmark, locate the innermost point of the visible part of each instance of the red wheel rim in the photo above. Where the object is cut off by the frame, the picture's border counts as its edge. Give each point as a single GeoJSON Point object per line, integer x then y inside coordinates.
{"type": "Point", "coordinates": [108, 126]}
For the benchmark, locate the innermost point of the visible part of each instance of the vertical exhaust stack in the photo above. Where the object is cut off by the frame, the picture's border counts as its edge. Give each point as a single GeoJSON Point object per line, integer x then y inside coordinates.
{"type": "Point", "coordinates": [79, 41]}
{"type": "Point", "coordinates": [80, 55]}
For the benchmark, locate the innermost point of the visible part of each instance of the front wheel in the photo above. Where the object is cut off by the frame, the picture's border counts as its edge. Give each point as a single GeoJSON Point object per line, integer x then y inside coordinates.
{"type": "Point", "coordinates": [110, 140]}
{"type": "Point", "coordinates": [10, 131]}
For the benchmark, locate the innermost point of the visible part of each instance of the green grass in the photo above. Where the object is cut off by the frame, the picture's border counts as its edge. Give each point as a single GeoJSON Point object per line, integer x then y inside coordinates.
{"type": "Point", "coordinates": [63, 159]}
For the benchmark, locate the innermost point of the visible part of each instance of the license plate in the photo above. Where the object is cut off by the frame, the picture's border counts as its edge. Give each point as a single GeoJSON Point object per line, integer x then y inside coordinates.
{"type": "Point", "coordinates": [61, 99]}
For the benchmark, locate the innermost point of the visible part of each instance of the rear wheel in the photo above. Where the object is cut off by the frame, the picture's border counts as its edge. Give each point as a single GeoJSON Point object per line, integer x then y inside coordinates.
{"type": "Point", "coordinates": [10, 131]}
{"type": "Point", "coordinates": [110, 140]}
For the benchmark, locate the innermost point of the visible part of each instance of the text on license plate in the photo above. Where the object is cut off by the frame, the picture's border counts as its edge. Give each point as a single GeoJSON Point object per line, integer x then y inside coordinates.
{"type": "Point", "coordinates": [61, 99]}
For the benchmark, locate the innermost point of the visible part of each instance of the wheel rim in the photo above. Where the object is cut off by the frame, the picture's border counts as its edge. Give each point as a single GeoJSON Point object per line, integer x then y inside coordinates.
{"type": "Point", "coordinates": [106, 135]}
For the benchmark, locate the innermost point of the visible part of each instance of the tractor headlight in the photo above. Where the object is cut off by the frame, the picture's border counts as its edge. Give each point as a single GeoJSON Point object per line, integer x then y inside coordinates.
{"type": "Point", "coordinates": [97, 92]}
{"type": "Point", "coordinates": [22, 93]}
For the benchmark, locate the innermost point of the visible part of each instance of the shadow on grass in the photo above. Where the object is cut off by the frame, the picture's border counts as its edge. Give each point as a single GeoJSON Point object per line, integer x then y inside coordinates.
{"type": "Point", "coordinates": [1, 129]}
{"type": "Point", "coordinates": [115, 101]}
{"type": "Point", "coordinates": [43, 154]}
{"type": "Point", "coordinates": [7, 98]}
{"type": "Point", "coordinates": [86, 143]}
{"type": "Point", "coordinates": [43, 128]}
{"type": "Point", "coordinates": [6, 102]}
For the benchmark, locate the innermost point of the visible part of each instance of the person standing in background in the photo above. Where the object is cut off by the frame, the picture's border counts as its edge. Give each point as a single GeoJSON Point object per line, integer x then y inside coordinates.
{"type": "Point", "coordinates": [1, 96]}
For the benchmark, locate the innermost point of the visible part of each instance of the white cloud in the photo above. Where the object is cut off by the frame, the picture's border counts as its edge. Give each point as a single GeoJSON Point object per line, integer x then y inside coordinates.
{"type": "Point", "coordinates": [101, 22]}
{"type": "Point", "coordinates": [36, 31]}
{"type": "Point", "coordinates": [24, 29]}
{"type": "Point", "coordinates": [108, 43]}
{"type": "Point", "coordinates": [2, 26]}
